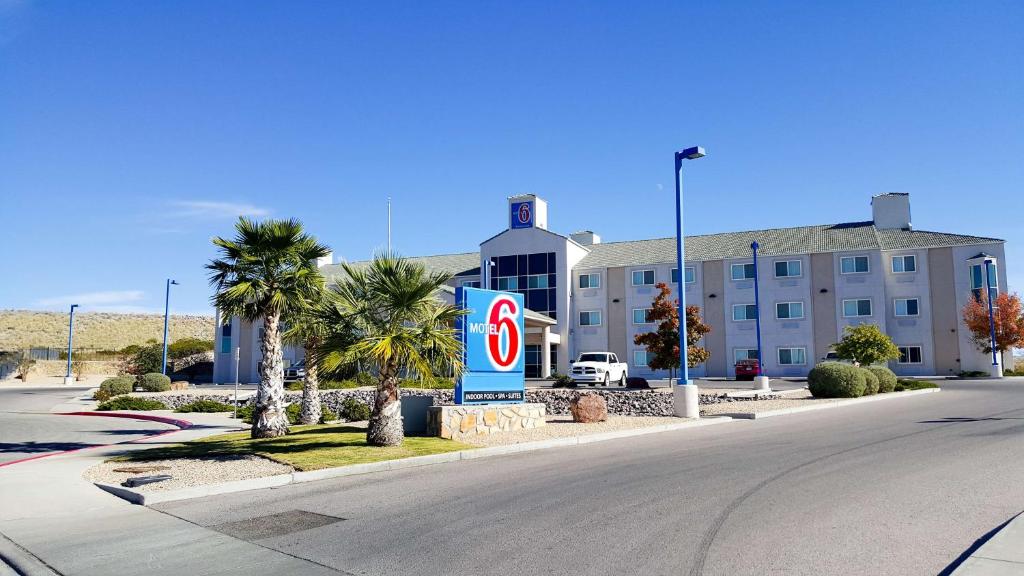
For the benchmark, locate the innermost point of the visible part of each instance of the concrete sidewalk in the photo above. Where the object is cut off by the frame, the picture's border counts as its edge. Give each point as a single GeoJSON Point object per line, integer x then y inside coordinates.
{"type": "Point", "coordinates": [69, 525]}
{"type": "Point", "coordinates": [1000, 555]}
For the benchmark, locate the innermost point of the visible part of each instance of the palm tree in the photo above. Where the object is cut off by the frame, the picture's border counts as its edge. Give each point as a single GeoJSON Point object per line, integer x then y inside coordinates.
{"type": "Point", "coordinates": [403, 329]}
{"type": "Point", "coordinates": [267, 271]}
{"type": "Point", "coordinates": [309, 328]}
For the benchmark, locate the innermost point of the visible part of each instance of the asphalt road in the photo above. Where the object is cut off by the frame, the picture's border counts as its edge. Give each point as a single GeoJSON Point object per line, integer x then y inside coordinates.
{"type": "Point", "coordinates": [27, 428]}
{"type": "Point", "coordinates": [895, 487]}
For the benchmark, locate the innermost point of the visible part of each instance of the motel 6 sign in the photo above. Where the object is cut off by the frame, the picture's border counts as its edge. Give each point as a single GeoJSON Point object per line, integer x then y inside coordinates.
{"type": "Point", "coordinates": [493, 337]}
{"type": "Point", "coordinates": [521, 214]}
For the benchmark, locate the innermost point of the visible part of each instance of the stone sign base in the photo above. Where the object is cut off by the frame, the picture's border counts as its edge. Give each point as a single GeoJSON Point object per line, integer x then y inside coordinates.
{"type": "Point", "coordinates": [457, 422]}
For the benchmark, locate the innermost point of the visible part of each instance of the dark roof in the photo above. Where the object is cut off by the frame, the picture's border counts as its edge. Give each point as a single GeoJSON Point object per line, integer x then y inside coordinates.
{"type": "Point", "coordinates": [773, 242]}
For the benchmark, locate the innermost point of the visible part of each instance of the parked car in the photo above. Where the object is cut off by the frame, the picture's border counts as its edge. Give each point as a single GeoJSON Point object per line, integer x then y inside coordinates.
{"type": "Point", "coordinates": [833, 356]}
{"type": "Point", "coordinates": [295, 372]}
{"type": "Point", "coordinates": [747, 369]}
{"type": "Point", "coordinates": [599, 368]}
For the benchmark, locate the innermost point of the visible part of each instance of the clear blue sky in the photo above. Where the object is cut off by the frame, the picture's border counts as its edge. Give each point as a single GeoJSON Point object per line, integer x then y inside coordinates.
{"type": "Point", "coordinates": [132, 132]}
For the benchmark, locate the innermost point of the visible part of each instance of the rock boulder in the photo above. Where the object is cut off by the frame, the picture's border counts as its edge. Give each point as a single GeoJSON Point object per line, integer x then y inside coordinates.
{"type": "Point", "coordinates": [589, 408]}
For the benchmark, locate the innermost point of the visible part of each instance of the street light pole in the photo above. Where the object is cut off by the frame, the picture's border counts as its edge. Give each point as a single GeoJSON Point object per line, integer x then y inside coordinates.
{"type": "Point", "coordinates": [167, 311]}
{"type": "Point", "coordinates": [71, 336]}
{"type": "Point", "coordinates": [997, 370]}
{"type": "Point", "coordinates": [761, 382]}
{"type": "Point", "coordinates": [684, 394]}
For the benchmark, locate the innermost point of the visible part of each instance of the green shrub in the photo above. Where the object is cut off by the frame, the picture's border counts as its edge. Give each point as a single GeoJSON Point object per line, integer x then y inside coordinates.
{"type": "Point", "coordinates": [428, 383]}
{"type": "Point", "coordinates": [835, 380]}
{"type": "Point", "coordinates": [186, 347]}
{"type": "Point", "coordinates": [131, 403]}
{"type": "Point", "coordinates": [145, 360]}
{"type": "Point", "coordinates": [562, 381]}
{"type": "Point", "coordinates": [354, 411]}
{"type": "Point", "coordinates": [206, 406]}
{"type": "Point", "coordinates": [116, 386]}
{"type": "Point", "coordinates": [908, 384]}
{"type": "Point", "coordinates": [154, 382]}
{"type": "Point", "coordinates": [294, 411]}
{"type": "Point", "coordinates": [365, 379]}
{"type": "Point", "coordinates": [886, 378]}
{"type": "Point", "coordinates": [871, 383]}
{"type": "Point", "coordinates": [973, 374]}
{"type": "Point", "coordinates": [245, 413]}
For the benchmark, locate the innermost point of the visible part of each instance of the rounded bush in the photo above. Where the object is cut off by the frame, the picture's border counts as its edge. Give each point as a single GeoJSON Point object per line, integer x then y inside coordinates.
{"type": "Point", "coordinates": [131, 403]}
{"type": "Point", "coordinates": [116, 386]}
{"type": "Point", "coordinates": [835, 380]}
{"type": "Point", "coordinates": [155, 382]}
{"type": "Point", "coordinates": [354, 411]}
{"type": "Point", "coordinates": [870, 382]}
{"type": "Point", "coordinates": [886, 378]}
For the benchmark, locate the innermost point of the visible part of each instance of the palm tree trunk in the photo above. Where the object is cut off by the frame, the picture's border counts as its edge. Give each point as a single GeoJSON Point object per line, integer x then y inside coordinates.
{"type": "Point", "coordinates": [269, 417]}
{"type": "Point", "coordinates": [311, 387]}
{"type": "Point", "coordinates": [385, 427]}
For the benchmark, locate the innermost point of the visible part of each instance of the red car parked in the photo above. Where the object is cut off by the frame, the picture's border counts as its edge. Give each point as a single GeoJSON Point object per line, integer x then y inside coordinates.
{"type": "Point", "coordinates": [747, 369]}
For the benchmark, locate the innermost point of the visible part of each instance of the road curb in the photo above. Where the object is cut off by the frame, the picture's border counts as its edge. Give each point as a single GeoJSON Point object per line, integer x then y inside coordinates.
{"type": "Point", "coordinates": [21, 561]}
{"type": "Point", "coordinates": [1001, 554]}
{"type": "Point", "coordinates": [839, 404]}
{"type": "Point", "coordinates": [182, 424]}
{"type": "Point", "coordinates": [146, 499]}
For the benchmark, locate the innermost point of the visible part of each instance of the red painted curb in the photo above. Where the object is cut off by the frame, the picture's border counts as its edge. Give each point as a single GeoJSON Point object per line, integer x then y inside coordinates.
{"type": "Point", "coordinates": [181, 424]}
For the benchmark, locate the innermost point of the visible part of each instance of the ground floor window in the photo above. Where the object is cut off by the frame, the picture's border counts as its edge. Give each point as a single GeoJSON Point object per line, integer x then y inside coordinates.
{"type": "Point", "coordinates": [743, 354]}
{"type": "Point", "coordinates": [225, 339]}
{"type": "Point", "coordinates": [590, 318]}
{"type": "Point", "coordinates": [792, 356]}
{"type": "Point", "coordinates": [534, 360]}
{"type": "Point", "coordinates": [910, 355]}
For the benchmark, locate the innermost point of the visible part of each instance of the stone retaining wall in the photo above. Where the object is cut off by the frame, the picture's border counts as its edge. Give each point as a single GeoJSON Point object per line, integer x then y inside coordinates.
{"type": "Point", "coordinates": [460, 422]}
{"type": "Point", "coordinates": [620, 402]}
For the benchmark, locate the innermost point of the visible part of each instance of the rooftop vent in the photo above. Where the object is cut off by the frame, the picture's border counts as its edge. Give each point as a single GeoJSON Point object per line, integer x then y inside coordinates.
{"type": "Point", "coordinates": [585, 237]}
{"type": "Point", "coordinates": [891, 211]}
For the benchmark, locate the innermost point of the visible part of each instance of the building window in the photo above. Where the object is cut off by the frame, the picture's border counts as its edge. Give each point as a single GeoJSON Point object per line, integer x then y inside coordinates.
{"type": "Point", "coordinates": [225, 339]}
{"type": "Point", "coordinates": [537, 281]}
{"type": "Point", "coordinates": [742, 271]}
{"type": "Point", "coordinates": [470, 284]}
{"type": "Point", "coordinates": [742, 312]}
{"type": "Point", "coordinates": [909, 355]}
{"type": "Point", "coordinates": [691, 276]}
{"type": "Point", "coordinates": [590, 318]}
{"type": "Point", "coordinates": [743, 354]}
{"type": "Point", "coordinates": [907, 307]}
{"type": "Point", "coordinates": [855, 308]}
{"type": "Point", "coordinates": [901, 264]}
{"type": "Point", "coordinates": [508, 283]}
{"type": "Point", "coordinates": [792, 356]}
{"type": "Point", "coordinates": [854, 265]}
{"type": "Point", "coordinates": [789, 310]}
{"type": "Point", "coordinates": [788, 269]}
{"type": "Point", "coordinates": [640, 358]}
{"type": "Point", "coordinates": [978, 281]}
{"type": "Point", "coordinates": [590, 280]}
{"type": "Point", "coordinates": [643, 277]}
{"type": "Point", "coordinates": [642, 316]}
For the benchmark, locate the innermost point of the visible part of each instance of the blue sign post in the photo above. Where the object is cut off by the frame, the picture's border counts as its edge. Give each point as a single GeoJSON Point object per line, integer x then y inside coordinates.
{"type": "Point", "coordinates": [493, 334]}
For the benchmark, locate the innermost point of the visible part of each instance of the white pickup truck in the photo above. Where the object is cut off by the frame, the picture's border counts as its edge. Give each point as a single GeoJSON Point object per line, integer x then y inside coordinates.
{"type": "Point", "coordinates": [599, 368]}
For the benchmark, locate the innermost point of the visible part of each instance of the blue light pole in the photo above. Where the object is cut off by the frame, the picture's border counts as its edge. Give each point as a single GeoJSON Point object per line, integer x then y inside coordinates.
{"type": "Point", "coordinates": [71, 337]}
{"type": "Point", "coordinates": [167, 311]}
{"type": "Point", "coordinates": [687, 154]}
{"type": "Point", "coordinates": [991, 317]}
{"type": "Point", "coordinates": [757, 319]}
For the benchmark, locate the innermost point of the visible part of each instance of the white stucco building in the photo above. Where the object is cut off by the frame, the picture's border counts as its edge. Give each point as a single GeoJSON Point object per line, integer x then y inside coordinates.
{"type": "Point", "coordinates": [586, 295]}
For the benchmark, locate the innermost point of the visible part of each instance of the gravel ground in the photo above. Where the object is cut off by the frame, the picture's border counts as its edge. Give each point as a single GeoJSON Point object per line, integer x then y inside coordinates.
{"type": "Point", "coordinates": [188, 472]}
{"type": "Point", "coordinates": [793, 399]}
{"type": "Point", "coordinates": [564, 427]}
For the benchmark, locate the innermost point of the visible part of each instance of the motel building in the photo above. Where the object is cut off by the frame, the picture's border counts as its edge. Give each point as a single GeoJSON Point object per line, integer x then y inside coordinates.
{"type": "Point", "coordinates": [583, 295]}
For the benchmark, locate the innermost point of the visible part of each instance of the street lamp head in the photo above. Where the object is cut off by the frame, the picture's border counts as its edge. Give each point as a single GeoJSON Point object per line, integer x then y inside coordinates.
{"type": "Point", "coordinates": [754, 245]}
{"type": "Point", "coordinates": [174, 282]}
{"type": "Point", "coordinates": [691, 153]}
{"type": "Point", "coordinates": [73, 306]}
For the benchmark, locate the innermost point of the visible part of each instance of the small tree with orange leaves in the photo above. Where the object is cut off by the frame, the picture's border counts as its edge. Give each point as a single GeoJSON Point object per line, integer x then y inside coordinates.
{"type": "Point", "coordinates": [1007, 317]}
{"type": "Point", "coordinates": [663, 344]}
